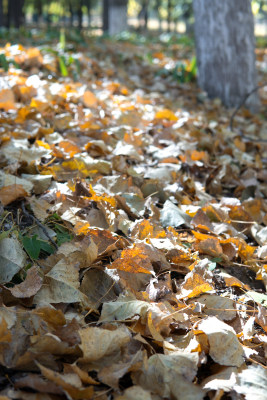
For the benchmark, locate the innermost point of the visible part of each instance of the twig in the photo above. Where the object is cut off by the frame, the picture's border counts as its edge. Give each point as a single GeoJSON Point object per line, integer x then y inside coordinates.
{"type": "Point", "coordinates": [39, 224]}
{"type": "Point", "coordinates": [242, 103]}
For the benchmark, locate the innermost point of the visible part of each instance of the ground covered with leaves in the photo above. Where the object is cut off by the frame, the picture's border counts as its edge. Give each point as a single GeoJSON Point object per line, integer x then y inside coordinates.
{"type": "Point", "coordinates": [133, 244]}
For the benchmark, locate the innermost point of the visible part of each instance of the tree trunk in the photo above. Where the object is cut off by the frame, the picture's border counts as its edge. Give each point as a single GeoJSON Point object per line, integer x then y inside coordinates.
{"type": "Point", "coordinates": [89, 7]}
{"type": "Point", "coordinates": [105, 16]}
{"type": "Point", "coordinates": [1, 14]}
{"type": "Point", "coordinates": [224, 34]}
{"type": "Point", "coordinates": [115, 16]}
{"type": "Point", "coordinates": [71, 14]}
{"type": "Point", "coordinates": [143, 15]}
{"type": "Point", "coordinates": [80, 15]}
{"type": "Point", "coordinates": [157, 8]}
{"type": "Point", "coordinates": [38, 11]}
{"type": "Point", "coordinates": [22, 18]}
{"type": "Point", "coordinates": [169, 11]}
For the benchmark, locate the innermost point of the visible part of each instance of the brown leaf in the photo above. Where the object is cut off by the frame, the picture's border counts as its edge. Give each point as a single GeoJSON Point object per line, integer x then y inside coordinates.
{"type": "Point", "coordinates": [36, 382]}
{"type": "Point", "coordinates": [201, 221]}
{"type": "Point", "coordinates": [70, 383]}
{"type": "Point", "coordinates": [98, 343]}
{"type": "Point", "coordinates": [11, 193]}
{"type": "Point", "coordinates": [30, 286]}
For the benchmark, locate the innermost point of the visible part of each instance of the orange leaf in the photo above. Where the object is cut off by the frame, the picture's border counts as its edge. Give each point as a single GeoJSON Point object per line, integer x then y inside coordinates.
{"type": "Point", "coordinates": [11, 193]}
{"type": "Point", "coordinates": [200, 156]}
{"type": "Point", "coordinates": [194, 285]}
{"type": "Point", "coordinates": [69, 147]}
{"type": "Point", "coordinates": [89, 99]}
{"type": "Point", "coordinates": [81, 228]}
{"type": "Point", "coordinates": [7, 100]}
{"type": "Point", "coordinates": [202, 236]}
{"type": "Point", "coordinates": [133, 260]}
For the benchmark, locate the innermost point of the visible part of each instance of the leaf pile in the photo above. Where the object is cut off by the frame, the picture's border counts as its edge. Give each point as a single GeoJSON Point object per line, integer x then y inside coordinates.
{"type": "Point", "coordinates": [133, 244]}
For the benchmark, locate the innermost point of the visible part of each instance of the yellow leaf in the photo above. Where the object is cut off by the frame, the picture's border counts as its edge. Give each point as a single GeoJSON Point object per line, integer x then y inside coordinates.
{"type": "Point", "coordinates": [43, 144]}
{"type": "Point", "coordinates": [166, 114]}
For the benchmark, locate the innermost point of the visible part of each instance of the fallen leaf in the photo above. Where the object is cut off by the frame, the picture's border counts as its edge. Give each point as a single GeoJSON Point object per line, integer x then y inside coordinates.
{"type": "Point", "coordinates": [30, 286]}
{"type": "Point", "coordinates": [10, 193]}
{"type": "Point", "coordinates": [97, 343]}
{"type": "Point", "coordinates": [170, 375]}
{"type": "Point", "coordinates": [225, 348]}
{"type": "Point", "coordinates": [12, 259]}
{"type": "Point", "coordinates": [171, 215]}
{"type": "Point", "coordinates": [251, 382]}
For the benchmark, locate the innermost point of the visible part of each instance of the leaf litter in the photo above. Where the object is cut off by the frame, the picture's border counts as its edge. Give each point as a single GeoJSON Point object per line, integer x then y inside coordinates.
{"type": "Point", "coordinates": [133, 243]}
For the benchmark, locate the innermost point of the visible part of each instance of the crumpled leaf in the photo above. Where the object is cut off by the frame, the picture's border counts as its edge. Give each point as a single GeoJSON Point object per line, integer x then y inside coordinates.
{"type": "Point", "coordinates": [12, 258]}
{"type": "Point", "coordinates": [70, 383]}
{"type": "Point", "coordinates": [99, 287]}
{"type": "Point", "coordinates": [225, 348]}
{"type": "Point", "coordinates": [258, 297]}
{"type": "Point", "coordinates": [198, 281]}
{"type": "Point", "coordinates": [252, 382]}
{"type": "Point", "coordinates": [110, 375]}
{"type": "Point", "coordinates": [97, 343]}
{"type": "Point", "coordinates": [223, 380]}
{"type": "Point", "coordinates": [218, 306]}
{"type": "Point", "coordinates": [171, 215]}
{"type": "Point", "coordinates": [137, 392]}
{"type": "Point", "coordinates": [134, 260]}
{"type": "Point", "coordinates": [123, 309]}
{"type": "Point", "coordinates": [30, 286]}
{"type": "Point", "coordinates": [170, 375]}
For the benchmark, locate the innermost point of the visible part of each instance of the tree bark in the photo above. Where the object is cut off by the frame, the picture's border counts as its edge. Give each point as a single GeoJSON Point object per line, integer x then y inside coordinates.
{"type": "Point", "coordinates": [89, 7]}
{"type": "Point", "coordinates": [143, 15]}
{"type": "Point", "coordinates": [169, 11]}
{"type": "Point", "coordinates": [157, 9]}
{"type": "Point", "coordinates": [80, 14]}
{"type": "Point", "coordinates": [117, 16]}
{"type": "Point", "coordinates": [105, 16]}
{"type": "Point", "coordinates": [114, 16]}
{"type": "Point", "coordinates": [1, 14]}
{"type": "Point", "coordinates": [224, 32]}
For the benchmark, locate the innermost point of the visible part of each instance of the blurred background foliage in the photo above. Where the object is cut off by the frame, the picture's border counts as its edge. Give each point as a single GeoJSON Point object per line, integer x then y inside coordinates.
{"type": "Point", "coordinates": [87, 15]}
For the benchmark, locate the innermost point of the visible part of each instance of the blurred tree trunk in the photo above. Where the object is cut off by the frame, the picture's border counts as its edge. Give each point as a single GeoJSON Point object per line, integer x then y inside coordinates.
{"type": "Point", "coordinates": [114, 16]}
{"type": "Point", "coordinates": [105, 16]}
{"type": "Point", "coordinates": [158, 5]}
{"type": "Point", "coordinates": [89, 8]}
{"type": "Point", "coordinates": [224, 32]}
{"type": "Point", "coordinates": [80, 14]}
{"type": "Point", "coordinates": [169, 11]}
{"type": "Point", "coordinates": [143, 15]}
{"type": "Point", "coordinates": [37, 10]}
{"type": "Point", "coordinates": [71, 11]}
{"type": "Point", "coordinates": [21, 13]}
{"type": "Point", "coordinates": [14, 13]}
{"type": "Point", "coordinates": [1, 14]}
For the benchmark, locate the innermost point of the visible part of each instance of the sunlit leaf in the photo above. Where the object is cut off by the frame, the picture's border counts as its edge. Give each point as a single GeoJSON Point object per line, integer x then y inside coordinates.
{"type": "Point", "coordinates": [166, 114]}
